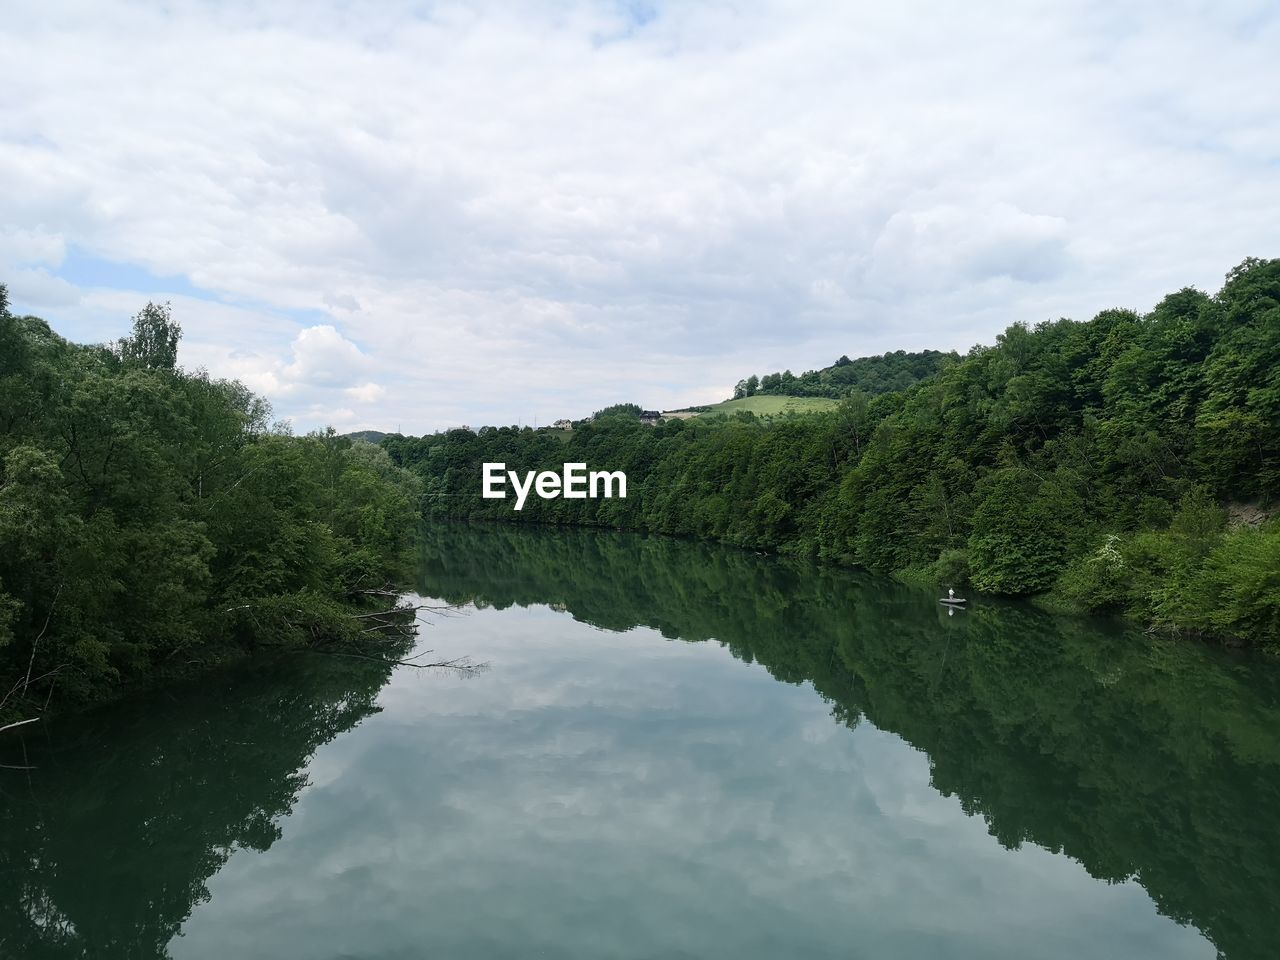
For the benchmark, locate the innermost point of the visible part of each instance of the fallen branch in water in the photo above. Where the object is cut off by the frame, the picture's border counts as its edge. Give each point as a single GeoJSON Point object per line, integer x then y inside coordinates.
{"type": "Point", "coordinates": [407, 608]}
{"type": "Point", "coordinates": [39, 636]}
{"type": "Point", "coordinates": [399, 629]}
{"type": "Point", "coordinates": [379, 592]}
{"type": "Point", "coordinates": [461, 664]}
{"type": "Point", "coordinates": [387, 613]}
{"type": "Point", "coordinates": [26, 684]}
{"type": "Point", "coordinates": [20, 723]}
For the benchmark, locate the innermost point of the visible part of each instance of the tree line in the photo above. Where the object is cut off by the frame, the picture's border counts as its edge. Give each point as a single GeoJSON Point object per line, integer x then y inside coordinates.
{"type": "Point", "coordinates": [886, 373]}
{"type": "Point", "coordinates": [1098, 463]}
{"type": "Point", "coordinates": [153, 520]}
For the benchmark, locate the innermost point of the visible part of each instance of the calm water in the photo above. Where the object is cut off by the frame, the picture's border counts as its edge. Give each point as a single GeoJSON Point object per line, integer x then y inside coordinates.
{"type": "Point", "coordinates": [677, 751]}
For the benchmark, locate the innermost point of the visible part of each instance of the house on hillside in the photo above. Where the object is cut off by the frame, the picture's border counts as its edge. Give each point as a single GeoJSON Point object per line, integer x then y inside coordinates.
{"type": "Point", "coordinates": [563, 425]}
{"type": "Point", "coordinates": [650, 416]}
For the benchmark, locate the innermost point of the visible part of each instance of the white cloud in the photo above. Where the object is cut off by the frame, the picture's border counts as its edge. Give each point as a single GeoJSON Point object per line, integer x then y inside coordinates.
{"type": "Point", "coordinates": [531, 210]}
{"type": "Point", "coordinates": [948, 247]}
{"type": "Point", "coordinates": [38, 289]}
{"type": "Point", "coordinates": [34, 246]}
{"type": "Point", "coordinates": [367, 392]}
{"type": "Point", "coordinates": [322, 357]}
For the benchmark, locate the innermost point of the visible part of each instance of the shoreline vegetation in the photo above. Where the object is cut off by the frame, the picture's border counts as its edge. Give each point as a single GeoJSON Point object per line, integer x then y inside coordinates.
{"type": "Point", "coordinates": [154, 523]}
{"type": "Point", "coordinates": [1125, 465]}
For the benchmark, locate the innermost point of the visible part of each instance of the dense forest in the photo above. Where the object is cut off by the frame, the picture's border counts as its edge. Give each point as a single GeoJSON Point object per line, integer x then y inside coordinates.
{"type": "Point", "coordinates": [152, 519]}
{"type": "Point", "coordinates": [1127, 464]}
{"type": "Point", "coordinates": [887, 373]}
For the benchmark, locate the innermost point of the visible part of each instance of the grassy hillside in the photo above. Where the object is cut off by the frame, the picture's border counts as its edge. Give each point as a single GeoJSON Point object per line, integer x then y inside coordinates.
{"type": "Point", "coordinates": [767, 406]}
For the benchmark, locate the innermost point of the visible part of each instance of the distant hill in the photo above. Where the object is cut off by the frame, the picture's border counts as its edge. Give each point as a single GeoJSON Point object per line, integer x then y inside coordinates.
{"type": "Point", "coordinates": [886, 373]}
{"type": "Point", "coordinates": [372, 436]}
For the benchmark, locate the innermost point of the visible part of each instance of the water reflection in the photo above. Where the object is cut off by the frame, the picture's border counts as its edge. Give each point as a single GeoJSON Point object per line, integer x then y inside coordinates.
{"type": "Point", "coordinates": [605, 794]}
{"type": "Point", "coordinates": [107, 844]}
{"type": "Point", "coordinates": [1140, 757]}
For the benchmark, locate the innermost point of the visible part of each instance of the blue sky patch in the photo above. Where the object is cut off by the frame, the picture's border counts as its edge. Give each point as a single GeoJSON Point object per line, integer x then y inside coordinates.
{"type": "Point", "coordinates": [87, 271]}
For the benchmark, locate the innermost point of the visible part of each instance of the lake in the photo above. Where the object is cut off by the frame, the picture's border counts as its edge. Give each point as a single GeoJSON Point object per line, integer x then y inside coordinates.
{"type": "Point", "coordinates": [674, 750]}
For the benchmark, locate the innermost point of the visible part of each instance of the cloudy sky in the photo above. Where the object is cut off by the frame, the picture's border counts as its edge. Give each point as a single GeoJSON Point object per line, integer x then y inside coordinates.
{"type": "Point", "coordinates": [421, 214]}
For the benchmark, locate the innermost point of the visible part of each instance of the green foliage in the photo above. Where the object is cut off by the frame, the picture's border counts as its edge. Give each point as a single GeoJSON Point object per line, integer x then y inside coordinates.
{"type": "Point", "coordinates": [1239, 586]}
{"type": "Point", "coordinates": [951, 567]}
{"type": "Point", "coordinates": [1196, 576]}
{"type": "Point", "coordinates": [149, 520]}
{"type": "Point", "coordinates": [887, 373]}
{"type": "Point", "coordinates": [1012, 467]}
{"type": "Point", "coordinates": [1096, 582]}
{"type": "Point", "coordinates": [1021, 529]}
{"type": "Point", "coordinates": [632, 410]}
{"type": "Point", "coordinates": [154, 344]}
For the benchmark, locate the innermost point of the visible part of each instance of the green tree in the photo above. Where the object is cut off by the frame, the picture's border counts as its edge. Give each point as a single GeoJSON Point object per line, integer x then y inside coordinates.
{"type": "Point", "coordinates": [154, 343]}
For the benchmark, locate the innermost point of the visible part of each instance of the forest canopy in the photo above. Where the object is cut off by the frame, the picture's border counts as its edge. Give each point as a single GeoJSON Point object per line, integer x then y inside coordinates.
{"type": "Point", "coordinates": [152, 518]}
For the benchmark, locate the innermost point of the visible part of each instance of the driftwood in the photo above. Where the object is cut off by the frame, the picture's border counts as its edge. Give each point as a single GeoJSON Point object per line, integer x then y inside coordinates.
{"type": "Point", "coordinates": [379, 592]}
{"type": "Point", "coordinates": [36, 642]}
{"type": "Point", "coordinates": [463, 665]}
{"type": "Point", "coordinates": [20, 723]}
{"type": "Point", "coordinates": [25, 685]}
{"type": "Point", "coordinates": [401, 620]}
{"type": "Point", "coordinates": [396, 610]}
{"type": "Point", "coordinates": [395, 625]}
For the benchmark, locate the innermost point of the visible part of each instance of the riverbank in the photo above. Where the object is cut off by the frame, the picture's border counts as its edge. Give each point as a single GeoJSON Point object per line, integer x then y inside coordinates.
{"type": "Point", "coordinates": [1092, 462]}
{"type": "Point", "coordinates": [154, 520]}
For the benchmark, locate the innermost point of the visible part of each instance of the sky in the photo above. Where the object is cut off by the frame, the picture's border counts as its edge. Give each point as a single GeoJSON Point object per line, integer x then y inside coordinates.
{"type": "Point", "coordinates": [415, 215]}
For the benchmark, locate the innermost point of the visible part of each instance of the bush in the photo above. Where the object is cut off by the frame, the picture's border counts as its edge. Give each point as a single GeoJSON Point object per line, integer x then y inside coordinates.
{"type": "Point", "coordinates": [1097, 582]}
{"type": "Point", "coordinates": [1239, 589]}
{"type": "Point", "coordinates": [951, 567]}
